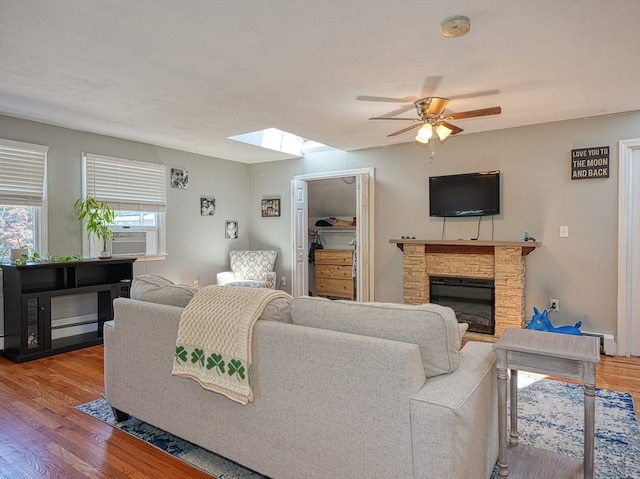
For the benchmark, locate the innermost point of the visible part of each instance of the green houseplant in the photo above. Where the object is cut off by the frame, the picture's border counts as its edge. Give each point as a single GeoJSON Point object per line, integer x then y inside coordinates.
{"type": "Point", "coordinates": [18, 252]}
{"type": "Point", "coordinates": [96, 216]}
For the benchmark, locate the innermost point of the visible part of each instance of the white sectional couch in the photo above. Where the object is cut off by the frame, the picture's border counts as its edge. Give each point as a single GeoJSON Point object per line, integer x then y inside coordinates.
{"type": "Point", "coordinates": [341, 389]}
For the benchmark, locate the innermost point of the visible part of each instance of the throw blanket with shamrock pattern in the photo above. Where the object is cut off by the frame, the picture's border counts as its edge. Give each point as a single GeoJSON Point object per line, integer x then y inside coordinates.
{"type": "Point", "coordinates": [214, 338]}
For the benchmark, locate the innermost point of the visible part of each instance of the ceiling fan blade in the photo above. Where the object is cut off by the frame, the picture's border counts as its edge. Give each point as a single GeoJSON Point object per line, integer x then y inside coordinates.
{"type": "Point", "coordinates": [401, 110]}
{"type": "Point", "coordinates": [454, 129]}
{"type": "Point", "coordinates": [406, 99]}
{"type": "Point", "coordinates": [437, 106]}
{"type": "Point", "coordinates": [430, 85]}
{"type": "Point", "coordinates": [399, 132]}
{"type": "Point", "coordinates": [474, 94]}
{"type": "Point", "coordinates": [394, 118]}
{"type": "Point", "coordinates": [496, 110]}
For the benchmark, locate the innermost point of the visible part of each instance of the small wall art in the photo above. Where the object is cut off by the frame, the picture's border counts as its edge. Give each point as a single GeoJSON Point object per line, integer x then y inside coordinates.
{"type": "Point", "coordinates": [231, 229]}
{"type": "Point", "coordinates": [270, 207]}
{"type": "Point", "coordinates": [179, 178]}
{"type": "Point", "coordinates": [207, 205]}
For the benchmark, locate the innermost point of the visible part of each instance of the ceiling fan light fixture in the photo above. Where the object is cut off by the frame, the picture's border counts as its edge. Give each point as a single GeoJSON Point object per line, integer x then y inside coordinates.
{"type": "Point", "coordinates": [424, 134]}
{"type": "Point", "coordinates": [443, 131]}
{"type": "Point", "coordinates": [455, 26]}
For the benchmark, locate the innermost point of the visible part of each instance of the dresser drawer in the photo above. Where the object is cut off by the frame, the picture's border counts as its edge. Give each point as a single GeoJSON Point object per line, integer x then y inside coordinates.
{"type": "Point", "coordinates": [334, 271]}
{"type": "Point", "coordinates": [340, 288]}
{"type": "Point", "coordinates": [334, 256]}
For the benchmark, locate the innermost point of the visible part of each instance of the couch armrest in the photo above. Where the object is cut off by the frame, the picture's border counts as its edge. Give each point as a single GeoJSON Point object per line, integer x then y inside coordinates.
{"type": "Point", "coordinates": [225, 277]}
{"type": "Point", "coordinates": [271, 280]}
{"type": "Point", "coordinates": [456, 414]}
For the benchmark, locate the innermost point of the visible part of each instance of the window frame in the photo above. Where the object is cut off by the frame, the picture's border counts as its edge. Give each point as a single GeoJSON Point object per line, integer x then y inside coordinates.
{"type": "Point", "coordinates": [35, 198]}
{"type": "Point", "coordinates": [124, 197]}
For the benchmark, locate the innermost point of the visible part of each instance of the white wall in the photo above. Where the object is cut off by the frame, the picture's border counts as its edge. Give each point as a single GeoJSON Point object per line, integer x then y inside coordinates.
{"type": "Point", "coordinates": [537, 196]}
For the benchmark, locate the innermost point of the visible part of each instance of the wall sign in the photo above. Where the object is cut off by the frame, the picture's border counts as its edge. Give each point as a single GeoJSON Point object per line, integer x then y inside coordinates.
{"type": "Point", "coordinates": [590, 163]}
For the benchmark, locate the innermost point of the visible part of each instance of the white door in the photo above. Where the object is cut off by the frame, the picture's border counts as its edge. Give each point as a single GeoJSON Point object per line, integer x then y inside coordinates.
{"type": "Point", "coordinates": [300, 240]}
{"type": "Point", "coordinates": [364, 248]}
{"type": "Point", "coordinates": [364, 282]}
{"type": "Point", "coordinates": [629, 248]}
{"type": "Point", "coordinates": [634, 259]}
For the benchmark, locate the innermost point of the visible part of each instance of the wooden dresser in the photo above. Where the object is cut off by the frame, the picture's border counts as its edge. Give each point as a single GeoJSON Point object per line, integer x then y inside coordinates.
{"type": "Point", "coordinates": [334, 273]}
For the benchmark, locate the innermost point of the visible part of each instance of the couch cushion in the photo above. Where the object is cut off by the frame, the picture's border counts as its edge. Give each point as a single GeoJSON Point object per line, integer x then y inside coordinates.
{"type": "Point", "coordinates": [277, 310]}
{"type": "Point", "coordinates": [432, 327]}
{"type": "Point", "coordinates": [252, 264]}
{"type": "Point", "coordinates": [156, 289]}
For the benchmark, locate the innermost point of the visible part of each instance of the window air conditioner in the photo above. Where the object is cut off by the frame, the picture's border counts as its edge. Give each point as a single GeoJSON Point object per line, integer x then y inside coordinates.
{"type": "Point", "coordinates": [129, 242]}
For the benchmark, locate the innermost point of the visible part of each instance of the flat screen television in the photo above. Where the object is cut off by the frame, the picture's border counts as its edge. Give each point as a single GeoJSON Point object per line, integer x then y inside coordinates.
{"type": "Point", "coordinates": [469, 194]}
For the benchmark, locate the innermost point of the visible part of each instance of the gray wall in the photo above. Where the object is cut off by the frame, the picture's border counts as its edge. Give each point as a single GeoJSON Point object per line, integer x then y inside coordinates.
{"type": "Point", "coordinates": [196, 246]}
{"type": "Point", "coordinates": [538, 196]}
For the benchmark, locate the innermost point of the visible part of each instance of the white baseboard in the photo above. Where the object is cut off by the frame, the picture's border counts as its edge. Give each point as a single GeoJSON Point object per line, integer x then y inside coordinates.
{"type": "Point", "coordinates": [607, 342]}
{"type": "Point", "coordinates": [73, 325]}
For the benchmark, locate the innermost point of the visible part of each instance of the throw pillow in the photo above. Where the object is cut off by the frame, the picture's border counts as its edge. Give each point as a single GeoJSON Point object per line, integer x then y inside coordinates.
{"type": "Point", "coordinates": [277, 310]}
{"type": "Point", "coordinates": [156, 289]}
{"type": "Point", "coordinates": [432, 327]}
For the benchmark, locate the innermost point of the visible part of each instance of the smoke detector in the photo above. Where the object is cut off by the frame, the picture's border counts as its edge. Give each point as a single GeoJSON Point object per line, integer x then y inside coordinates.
{"type": "Point", "coordinates": [456, 26]}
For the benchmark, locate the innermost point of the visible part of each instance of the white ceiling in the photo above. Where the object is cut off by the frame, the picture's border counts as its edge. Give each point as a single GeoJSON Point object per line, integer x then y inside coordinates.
{"type": "Point", "coordinates": [187, 74]}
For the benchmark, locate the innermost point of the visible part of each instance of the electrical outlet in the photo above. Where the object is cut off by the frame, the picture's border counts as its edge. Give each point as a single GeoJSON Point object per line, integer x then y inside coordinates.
{"type": "Point", "coordinates": [283, 280]}
{"type": "Point", "coordinates": [564, 232]}
{"type": "Point", "coordinates": [554, 305]}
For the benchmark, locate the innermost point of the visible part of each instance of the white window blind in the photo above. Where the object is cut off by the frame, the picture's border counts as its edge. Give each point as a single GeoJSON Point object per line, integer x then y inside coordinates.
{"type": "Point", "coordinates": [22, 173]}
{"type": "Point", "coordinates": [125, 184]}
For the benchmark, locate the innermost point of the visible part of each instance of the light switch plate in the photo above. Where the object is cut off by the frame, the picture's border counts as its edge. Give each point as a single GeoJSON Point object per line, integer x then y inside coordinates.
{"type": "Point", "coordinates": [564, 232]}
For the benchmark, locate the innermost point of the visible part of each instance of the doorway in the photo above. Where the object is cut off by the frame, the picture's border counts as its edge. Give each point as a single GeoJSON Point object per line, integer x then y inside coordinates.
{"type": "Point", "coordinates": [628, 248]}
{"type": "Point", "coordinates": [361, 233]}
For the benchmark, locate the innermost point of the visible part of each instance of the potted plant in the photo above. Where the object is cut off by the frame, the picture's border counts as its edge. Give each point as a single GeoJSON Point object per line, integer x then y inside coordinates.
{"type": "Point", "coordinates": [96, 216]}
{"type": "Point", "coordinates": [18, 253]}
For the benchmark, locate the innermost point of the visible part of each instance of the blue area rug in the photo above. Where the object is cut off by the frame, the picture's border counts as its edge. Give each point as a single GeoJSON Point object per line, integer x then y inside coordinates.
{"type": "Point", "coordinates": [550, 416]}
{"type": "Point", "coordinates": [196, 456]}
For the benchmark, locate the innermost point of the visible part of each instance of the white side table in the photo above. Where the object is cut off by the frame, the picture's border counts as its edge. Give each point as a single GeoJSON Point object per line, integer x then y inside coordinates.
{"type": "Point", "coordinates": [559, 355]}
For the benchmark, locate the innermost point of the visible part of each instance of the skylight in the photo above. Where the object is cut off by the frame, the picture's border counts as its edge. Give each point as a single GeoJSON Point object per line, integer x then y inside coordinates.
{"type": "Point", "coordinates": [279, 140]}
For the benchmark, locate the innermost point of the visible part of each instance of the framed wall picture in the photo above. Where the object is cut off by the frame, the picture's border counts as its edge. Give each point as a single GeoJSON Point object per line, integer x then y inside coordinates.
{"type": "Point", "coordinates": [207, 205]}
{"type": "Point", "coordinates": [179, 178]}
{"type": "Point", "coordinates": [231, 229]}
{"type": "Point", "coordinates": [270, 207]}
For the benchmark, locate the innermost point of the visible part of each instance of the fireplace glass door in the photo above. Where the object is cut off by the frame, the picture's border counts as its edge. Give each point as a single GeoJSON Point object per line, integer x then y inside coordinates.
{"type": "Point", "coordinates": [472, 299]}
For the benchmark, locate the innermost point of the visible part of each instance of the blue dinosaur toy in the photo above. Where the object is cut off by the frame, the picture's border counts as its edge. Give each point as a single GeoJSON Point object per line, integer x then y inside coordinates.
{"type": "Point", "coordinates": [541, 322]}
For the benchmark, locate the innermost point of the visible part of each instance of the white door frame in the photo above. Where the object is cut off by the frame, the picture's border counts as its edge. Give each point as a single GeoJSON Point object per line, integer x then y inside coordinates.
{"type": "Point", "coordinates": [628, 237]}
{"type": "Point", "coordinates": [364, 231]}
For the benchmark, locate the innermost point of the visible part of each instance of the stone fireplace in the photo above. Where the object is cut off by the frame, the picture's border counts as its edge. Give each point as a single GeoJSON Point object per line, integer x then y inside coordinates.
{"type": "Point", "coordinates": [501, 261]}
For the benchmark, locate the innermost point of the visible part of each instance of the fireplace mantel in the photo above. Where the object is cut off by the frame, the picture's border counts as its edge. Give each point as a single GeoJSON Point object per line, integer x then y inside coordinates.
{"type": "Point", "coordinates": [502, 261]}
{"type": "Point", "coordinates": [466, 246]}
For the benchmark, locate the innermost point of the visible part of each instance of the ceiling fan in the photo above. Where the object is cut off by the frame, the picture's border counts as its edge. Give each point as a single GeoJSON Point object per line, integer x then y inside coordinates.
{"type": "Point", "coordinates": [432, 118]}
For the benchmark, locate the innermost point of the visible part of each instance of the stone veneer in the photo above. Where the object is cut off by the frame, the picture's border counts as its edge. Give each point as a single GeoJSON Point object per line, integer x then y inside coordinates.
{"type": "Point", "coordinates": [504, 262]}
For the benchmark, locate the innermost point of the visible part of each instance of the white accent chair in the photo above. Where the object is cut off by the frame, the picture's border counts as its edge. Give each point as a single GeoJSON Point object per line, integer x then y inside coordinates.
{"type": "Point", "coordinates": [250, 269]}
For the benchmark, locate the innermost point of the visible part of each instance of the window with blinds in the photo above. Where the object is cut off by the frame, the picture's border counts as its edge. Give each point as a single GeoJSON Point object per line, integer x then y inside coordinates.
{"type": "Point", "coordinates": [137, 191]}
{"type": "Point", "coordinates": [22, 173]}
{"type": "Point", "coordinates": [126, 184]}
{"type": "Point", "coordinates": [23, 216]}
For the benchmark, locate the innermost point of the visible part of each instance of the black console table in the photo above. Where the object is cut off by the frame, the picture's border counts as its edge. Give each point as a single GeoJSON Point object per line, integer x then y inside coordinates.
{"type": "Point", "coordinates": [28, 290]}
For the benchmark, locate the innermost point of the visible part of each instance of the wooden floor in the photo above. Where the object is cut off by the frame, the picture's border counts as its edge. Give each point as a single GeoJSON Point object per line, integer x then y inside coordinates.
{"type": "Point", "coordinates": [42, 435]}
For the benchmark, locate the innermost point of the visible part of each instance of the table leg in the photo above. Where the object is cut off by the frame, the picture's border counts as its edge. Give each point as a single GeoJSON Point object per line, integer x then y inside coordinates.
{"type": "Point", "coordinates": [513, 401]}
{"type": "Point", "coordinates": [502, 422]}
{"type": "Point", "coordinates": [589, 428]}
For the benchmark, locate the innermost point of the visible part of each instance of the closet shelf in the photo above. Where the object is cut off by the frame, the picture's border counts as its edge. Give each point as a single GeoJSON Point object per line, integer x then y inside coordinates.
{"type": "Point", "coordinates": [334, 229]}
